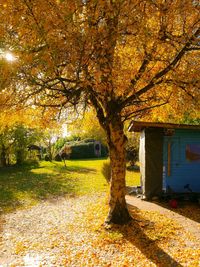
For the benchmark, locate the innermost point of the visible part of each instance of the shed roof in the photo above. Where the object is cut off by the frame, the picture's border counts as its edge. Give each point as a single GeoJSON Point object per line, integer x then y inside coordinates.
{"type": "Point", "coordinates": [137, 126]}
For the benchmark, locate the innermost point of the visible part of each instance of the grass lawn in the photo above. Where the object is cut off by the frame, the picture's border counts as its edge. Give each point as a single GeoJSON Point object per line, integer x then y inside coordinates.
{"type": "Point", "coordinates": [70, 231]}
{"type": "Point", "coordinates": [27, 185]}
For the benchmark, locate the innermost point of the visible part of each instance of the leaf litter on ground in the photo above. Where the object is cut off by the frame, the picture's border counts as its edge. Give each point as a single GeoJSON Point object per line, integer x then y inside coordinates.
{"type": "Point", "coordinates": [70, 231]}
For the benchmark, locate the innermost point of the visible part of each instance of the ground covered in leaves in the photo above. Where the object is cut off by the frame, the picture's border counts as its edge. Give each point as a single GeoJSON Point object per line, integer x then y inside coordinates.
{"type": "Point", "coordinates": [69, 231]}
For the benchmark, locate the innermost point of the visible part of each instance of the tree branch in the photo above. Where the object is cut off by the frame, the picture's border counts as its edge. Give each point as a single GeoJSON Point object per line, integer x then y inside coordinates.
{"type": "Point", "coordinates": [98, 108]}
{"type": "Point", "coordinates": [157, 79]}
{"type": "Point", "coordinates": [131, 114]}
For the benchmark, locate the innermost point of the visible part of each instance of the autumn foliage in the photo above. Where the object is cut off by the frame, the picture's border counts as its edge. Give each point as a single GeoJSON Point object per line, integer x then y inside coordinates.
{"type": "Point", "coordinates": [121, 57]}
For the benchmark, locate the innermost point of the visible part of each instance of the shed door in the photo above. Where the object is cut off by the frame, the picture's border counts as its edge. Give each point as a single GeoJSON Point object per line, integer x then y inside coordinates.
{"type": "Point", "coordinates": [171, 163]}
{"type": "Point", "coordinates": [152, 177]}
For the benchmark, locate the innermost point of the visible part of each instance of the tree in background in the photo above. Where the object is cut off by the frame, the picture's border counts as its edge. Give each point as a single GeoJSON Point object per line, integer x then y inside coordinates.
{"type": "Point", "coordinates": [189, 118]}
{"type": "Point", "coordinates": [49, 140]}
{"type": "Point", "coordinates": [9, 121]}
{"type": "Point", "coordinates": [87, 126]}
{"type": "Point", "coordinates": [5, 147]}
{"type": "Point", "coordinates": [14, 142]}
{"type": "Point", "coordinates": [20, 128]}
{"type": "Point", "coordinates": [21, 138]}
{"type": "Point", "coordinates": [123, 58]}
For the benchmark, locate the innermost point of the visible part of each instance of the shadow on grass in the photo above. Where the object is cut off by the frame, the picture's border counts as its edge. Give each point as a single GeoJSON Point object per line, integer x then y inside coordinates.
{"type": "Point", "coordinates": [78, 169]}
{"type": "Point", "coordinates": [25, 186]}
{"type": "Point", "coordinates": [134, 233]}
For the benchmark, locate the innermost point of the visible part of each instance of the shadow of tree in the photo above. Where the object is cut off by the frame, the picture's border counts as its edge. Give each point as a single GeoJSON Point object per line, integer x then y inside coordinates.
{"type": "Point", "coordinates": [134, 233]}
{"type": "Point", "coordinates": [78, 169]}
{"type": "Point", "coordinates": [22, 186]}
{"type": "Point", "coordinates": [187, 209]}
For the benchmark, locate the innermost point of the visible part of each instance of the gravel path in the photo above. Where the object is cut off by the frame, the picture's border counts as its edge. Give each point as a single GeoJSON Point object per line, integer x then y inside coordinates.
{"type": "Point", "coordinates": [38, 236]}
{"type": "Point", "coordinates": [33, 227]}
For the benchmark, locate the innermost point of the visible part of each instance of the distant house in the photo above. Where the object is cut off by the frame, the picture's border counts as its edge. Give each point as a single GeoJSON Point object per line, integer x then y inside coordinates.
{"type": "Point", "coordinates": [169, 157]}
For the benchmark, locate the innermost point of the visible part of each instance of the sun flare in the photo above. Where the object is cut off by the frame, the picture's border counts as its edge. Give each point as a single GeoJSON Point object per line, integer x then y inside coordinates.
{"type": "Point", "coordinates": [9, 56]}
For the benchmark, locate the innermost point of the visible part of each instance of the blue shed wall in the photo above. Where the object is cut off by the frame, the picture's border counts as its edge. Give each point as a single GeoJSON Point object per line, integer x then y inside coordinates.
{"type": "Point", "coordinates": [179, 171]}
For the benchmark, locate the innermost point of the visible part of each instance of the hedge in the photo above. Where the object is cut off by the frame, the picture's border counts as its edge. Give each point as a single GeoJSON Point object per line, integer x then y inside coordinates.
{"type": "Point", "coordinates": [86, 150]}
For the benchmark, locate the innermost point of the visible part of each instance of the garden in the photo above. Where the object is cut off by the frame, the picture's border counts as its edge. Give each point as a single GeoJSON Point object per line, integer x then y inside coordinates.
{"type": "Point", "coordinates": [52, 215]}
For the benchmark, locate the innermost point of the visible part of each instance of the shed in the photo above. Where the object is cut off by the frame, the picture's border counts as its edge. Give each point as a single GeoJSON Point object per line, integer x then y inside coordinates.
{"type": "Point", "coordinates": [169, 157]}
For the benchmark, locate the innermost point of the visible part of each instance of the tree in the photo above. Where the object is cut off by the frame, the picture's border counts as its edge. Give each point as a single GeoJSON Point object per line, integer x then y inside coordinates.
{"type": "Point", "coordinates": [20, 128]}
{"type": "Point", "coordinates": [87, 126]}
{"type": "Point", "coordinates": [50, 137]}
{"type": "Point", "coordinates": [14, 142]}
{"type": "Point", "coordinates": [5, 137]}
{"type": "Point", "coordinates": [21, 138]}
{"type": "Point", "coordinates": [121, 57]}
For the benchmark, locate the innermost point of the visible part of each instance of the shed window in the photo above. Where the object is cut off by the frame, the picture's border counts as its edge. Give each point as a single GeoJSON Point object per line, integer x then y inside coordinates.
{"type": "Point", "coordinates": [193, 152]}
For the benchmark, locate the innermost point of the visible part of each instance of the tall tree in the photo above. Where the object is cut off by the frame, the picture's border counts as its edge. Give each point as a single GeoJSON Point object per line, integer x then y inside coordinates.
{"type": "Point", "coordinates": [122, 57]}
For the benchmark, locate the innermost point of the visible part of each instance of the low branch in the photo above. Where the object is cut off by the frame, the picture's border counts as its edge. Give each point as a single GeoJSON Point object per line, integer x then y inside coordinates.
{"type": "Point", "coordinates": [99, 109]}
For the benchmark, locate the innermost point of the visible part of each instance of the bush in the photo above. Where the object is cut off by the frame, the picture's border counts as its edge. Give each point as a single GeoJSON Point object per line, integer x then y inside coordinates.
{"type": "Point", "coordinates": [132, 155]}
{"type": "Point", "coordinates": [134, 168]}
{"type": "Point", "coordinates": [82, 151]}
{"type": "Point", "coordinates": [104, 151]}
{"type": "Point", "coordinates": [31, 163]}
{"type": "Point", "coordinates": [86, 150]}
{"type": "Point", "coordinates": [47, 158]}
{"type": "Point", "coordinates": [88, 140]}
{"type": "Point", "coordinates": [58, 157]}
{"type": "Point", "coordinates": [106, 171]}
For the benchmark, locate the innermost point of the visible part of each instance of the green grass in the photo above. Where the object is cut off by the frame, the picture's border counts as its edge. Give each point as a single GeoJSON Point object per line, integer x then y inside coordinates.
{"type": "Point", "coordinates": [27, 185]}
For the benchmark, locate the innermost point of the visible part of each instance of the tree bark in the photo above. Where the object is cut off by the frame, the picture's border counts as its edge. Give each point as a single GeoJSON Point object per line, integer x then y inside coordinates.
{"type": "Point", "coordinates": [19, 157]}
{"type": "Point", "coordinates": [3, 156]}
{"type": "Point", "coordinates": [118, 212]}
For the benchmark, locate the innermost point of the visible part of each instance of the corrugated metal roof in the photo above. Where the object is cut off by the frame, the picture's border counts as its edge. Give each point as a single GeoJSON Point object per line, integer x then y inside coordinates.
{"type": "Point", "coordinates": [137, 126]}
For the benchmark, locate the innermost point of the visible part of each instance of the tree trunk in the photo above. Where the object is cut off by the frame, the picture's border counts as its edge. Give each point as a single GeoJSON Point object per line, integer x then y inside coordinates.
{"type": "Point", "coordinates": [19, 157]}
{"type": "Point", "coordinates": [118, 212]}
{"type": "Point", "coordinates": [3, 156]}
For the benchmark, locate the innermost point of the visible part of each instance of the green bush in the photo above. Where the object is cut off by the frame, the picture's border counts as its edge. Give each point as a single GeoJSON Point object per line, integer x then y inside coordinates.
{"type": "Point", "coordinates": [82, 151]}
{"type": "Point", "coordinates": [87, 140]}
{"type": "Point", "coordinates": [132, 155]}
{"type": "Point", "coordinates": [106, 171]}
{"type": "Point", "coordinates": [86, 150]}
{"type": "Point", "coordinates": [58, 158]}
{"type": "Point", "coordinates": [104, 151]}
